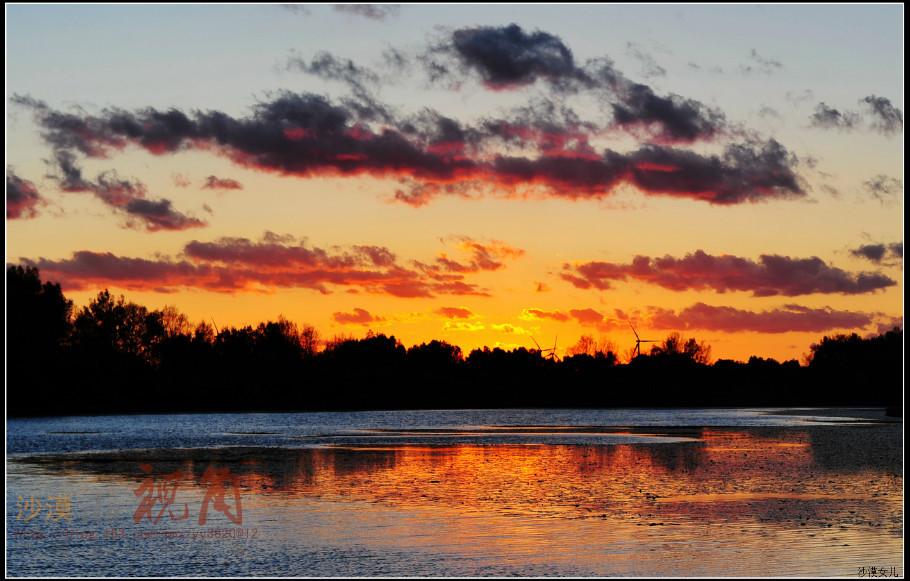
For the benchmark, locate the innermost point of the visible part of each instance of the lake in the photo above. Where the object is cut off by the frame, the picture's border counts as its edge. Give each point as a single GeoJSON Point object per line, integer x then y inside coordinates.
{"type": "Point", "coordinates": [769, 492]}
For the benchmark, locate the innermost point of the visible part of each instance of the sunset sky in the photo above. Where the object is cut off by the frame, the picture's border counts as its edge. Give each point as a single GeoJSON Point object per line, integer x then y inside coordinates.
{"type": "Point", "coordinates": [480, 174]}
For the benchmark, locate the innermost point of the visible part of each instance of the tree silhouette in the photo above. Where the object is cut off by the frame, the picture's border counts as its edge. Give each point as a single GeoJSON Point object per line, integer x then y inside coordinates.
{"type": "Point", "coordinates": [37, 315]}
{"type": "Point", "coordinates": [115, 352]}
{"type": "Point", "coordinates": [435, 355]}
{"type": "Point", "coordinates": [116, 356]}
{"type": "Point", "coordinates": [587, 345]}
{"type": "Point", "coordinates": [363, 373]}
{"type": "Point", "coordinates": [114, 324]}
{"type": "Point", "coordinates": [37, 338]}
{"type": "Point", "coordinates": [674, 346]}
{"type": "Point", "coordinates": [849, 369]}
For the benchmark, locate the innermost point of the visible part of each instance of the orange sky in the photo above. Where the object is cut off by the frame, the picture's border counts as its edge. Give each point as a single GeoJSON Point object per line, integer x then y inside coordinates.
{"type": "Point", "coordinates": [468, 173]}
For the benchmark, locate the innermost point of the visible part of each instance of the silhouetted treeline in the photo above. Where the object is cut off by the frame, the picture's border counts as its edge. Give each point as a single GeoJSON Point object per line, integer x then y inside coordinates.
{"type": "Point", "coordinates": [115, 356]}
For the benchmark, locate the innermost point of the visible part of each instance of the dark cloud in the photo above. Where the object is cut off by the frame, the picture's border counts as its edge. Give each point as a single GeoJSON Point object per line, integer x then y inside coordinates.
{"type": "Point", "coordinates": [126, 197]}
{"type": "Point", "coordinates": [883, 188]}
{"type": "Point", "coordinates": [157, 215]}
{"type": "Point", "coordinates": [371, 11]}
{"type": "Point", "coordinates": [291, 134]}
{"type": "Point", "coordinates": [430, 154]}
{"type": "Point", "coordinates": [442, 135]}
{"type": "Point", "coordinates": [879, 252]}
{"type": "Point", "coordinates": [22, 197]}
{"type": "Point", "coordinates": [786, 319]}
{"type": "Point", "coordinates": [575, 177]}
{"type": "Point", "coordinates": [216, 183]}
{"type": "Point", "coordinates": [771, 275]}
{"type": "Point", "coordinates": [885, 117]}
{"type": "Point", "coordinates": [638, 109]}
{"type": "Point", "coordinates": [826, 117]}
{"type": "Point", "coordinates": [671, 119]}
{"type": "Point", "coordinates": [242, 265]}
{"type": "Point", "coordinates": [880, 115]}
{"type": "Point", "coordinates": [67, 132]}
{"type": "Point", "coordinates": [508, 57]}
{"type": "Point", "coordinates": [95, 137]}
{"type": "Point", "coordinates": [746, 172]}
{"type": "Point", "coordinates": [551, 128]}
{"type": "Point", "coordinates": [873, 252]}
{"type": "Point", "coordinates": [327, 66]}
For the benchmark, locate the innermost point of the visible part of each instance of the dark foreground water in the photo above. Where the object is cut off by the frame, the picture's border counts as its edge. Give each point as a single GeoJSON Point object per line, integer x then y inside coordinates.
{"type": "Point", "coordinates": [458, 493]}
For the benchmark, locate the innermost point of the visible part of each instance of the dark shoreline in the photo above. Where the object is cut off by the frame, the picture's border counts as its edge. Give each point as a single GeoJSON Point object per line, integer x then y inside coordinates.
{"type": "Point", "coordinates": [870, 412]}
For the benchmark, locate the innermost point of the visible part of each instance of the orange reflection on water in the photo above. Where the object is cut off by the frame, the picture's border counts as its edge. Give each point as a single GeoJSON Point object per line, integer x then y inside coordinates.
{"type": "Point", "coordinates": [758, 475]}
{"type": "Point", "coordinates": [818, 499]}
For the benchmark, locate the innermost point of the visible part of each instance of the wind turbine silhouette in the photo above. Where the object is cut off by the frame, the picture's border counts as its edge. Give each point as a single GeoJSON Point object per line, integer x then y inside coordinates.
{"type": "Point", "coordinates": [639, 341]}
{"type": "Point", "coordinates": [552, 352]}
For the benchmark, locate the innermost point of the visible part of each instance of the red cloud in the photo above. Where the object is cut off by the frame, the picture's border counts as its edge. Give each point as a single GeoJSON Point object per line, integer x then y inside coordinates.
{"type": "Point", "coordinates": [789, 318]}
{"type": "Point", "coordinates": [454, 313]}
{"type": "Point", "coordinates": [22, 197]}
{"type": "Point", "coordinates": [771, 275]}
{"type": "Point", "coordinates": [239, 264]}
{"type": "Point", "coordinates": [480, 257]}
{"type": "Point", "coordinates": [785, 319]}
{"type": "Point", "coordinates": [586, 316]}
{"type": "Point", "coordinates": [358, 317]}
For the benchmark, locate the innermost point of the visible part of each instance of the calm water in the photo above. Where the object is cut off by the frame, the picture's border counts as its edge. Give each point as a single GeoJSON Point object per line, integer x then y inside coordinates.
{"type": "Point", "coordinates": [457, 493]}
